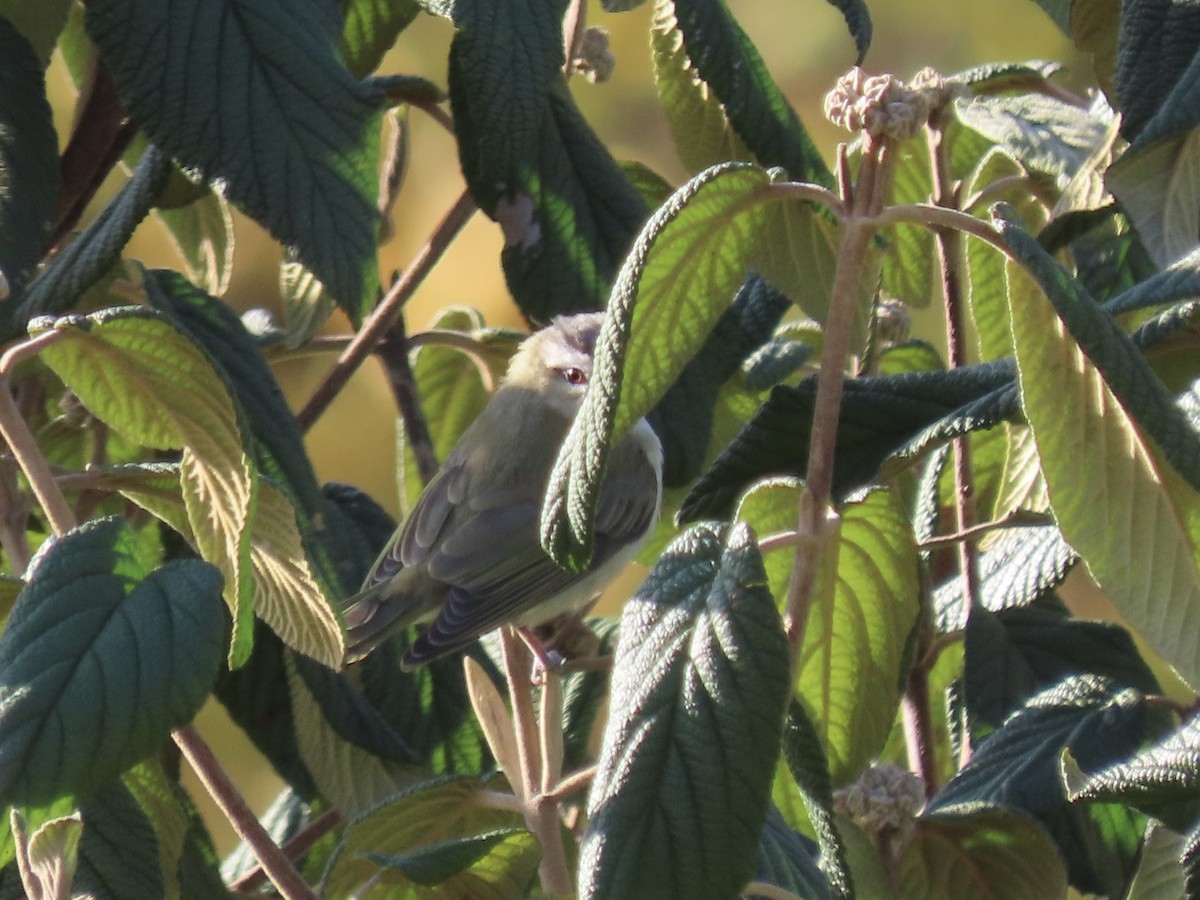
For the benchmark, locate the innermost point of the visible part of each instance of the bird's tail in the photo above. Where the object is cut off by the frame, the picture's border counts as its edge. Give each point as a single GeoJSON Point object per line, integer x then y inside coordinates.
{"type": "Point", "coordinates": [373, 615]}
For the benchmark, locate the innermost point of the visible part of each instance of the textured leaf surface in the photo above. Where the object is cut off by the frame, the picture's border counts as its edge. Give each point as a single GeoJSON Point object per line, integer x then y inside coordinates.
{"type": "Point", "coordinates": [1159, 185]}
{"type": "Point", "coordinates": [86, 259]}
{"type": "Point", "coordinates": [370, 29]}
{"type": "Point", "coordinates": [699, 688]}
{"type": "Point", "coordinates": [1015, 653]}
{"type": "Point", "coordinates": [881, 416]}
{"type": "Point", "coordinates": [29, 174]}
{"type": "Point", "coordinates": [80, 704]}
{"type": "Point", "coordinates": [1159, 874]}
{"type": "Point", "coordinates": [1018, 768]}
{"type": "Point", "coordinates": [851, 660]}
{"type": "Point", "coordinates": [434, 864]}
{"type": "Point", "coordinates": [136, 372]}
{"type": "Point", "coordinates": [50, 854]}
{"type": "Point", "coordinates": [721, 57]}
{"type": "Point", "coordinates": [682, 275]}
{"type": "Point", "coordinates": [252, 94]}
{"type": "Point", "coordinates": [1163, 780]}
{"type": "Point", "coordinates": [788, 860]}
{"type": "Point", "coordinates": [1157, 68]}
{"type": "Point", "coordinates": [1132, 517]}
{"type": "Point", "coordinates": [432, 813]}
{"type": "Point", "coordinates": [532, 162]}
{"type": "Point", "coordinates": [986, 855]}
{"type": "Point", "coordinates": [202, 232]}
{"type": "Point", "coordinates": [118, 855]}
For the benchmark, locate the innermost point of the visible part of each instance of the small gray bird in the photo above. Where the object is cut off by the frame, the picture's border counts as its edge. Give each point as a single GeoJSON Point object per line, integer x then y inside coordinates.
{"type": "Point", "coordinates": [468, 558]}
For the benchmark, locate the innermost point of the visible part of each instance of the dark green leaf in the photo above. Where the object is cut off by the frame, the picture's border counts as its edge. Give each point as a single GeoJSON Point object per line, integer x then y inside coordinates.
{"type": "Point", "coordinates": [356, 528]}
{"type": "Point", "coordinates": [880, 417]}
{"type": "Point", "coordinates": [1143, 396]}
{"type": "Point", "coordinates": [433, 864]}
{"type": "Point", "coordinates": [683, 418]}
{"type": "Point", "coordinates": [349, 713]}
{"type": "Point", "coordinates": [1179, 281]}
{"type": "Point", "coordinates": [858, 20]}
{"type": "Point", "coordinates": [141, 654]}
{"type": "Point", "coordinates": [806, 761]}
{"type": "Point", "coordinates": [86, 259]}
{"type": "Point", "coordinates": [992, 78]}
{"type": "Point", "coordinates": [725, 59]}
{"type": "Point", "coordinates": [29, 173]}
{"type": "Point", "coordinates": [251, 94]}
{"type": "Point", "coordinates": [256, 698]}
{"type": "Point", "coordinates": [1015, 653]}
{"type": "Point", "coordinates": [118, 855]}
{"type": "Point", "coordinates": [39, 23]}
{"type": "Point", "coordinates": [532, 162]}
{"type": "Point", "coordinates": [1059, 12]}
{"type": "Point", "coordinates": [699, 687]}
{"type": "Point", "coordinates": [786, 859]}
{"type": "Point", "coordinates": [1017, 768]}
{"type": "Point", "coordinates": [1162, 781]}
{"type": "Point", "coordinates": [1157, 68]}
{"type": "Point", "coordinates": [370, 29]}
{"type": "Point", "coordinates": [1018, 566]}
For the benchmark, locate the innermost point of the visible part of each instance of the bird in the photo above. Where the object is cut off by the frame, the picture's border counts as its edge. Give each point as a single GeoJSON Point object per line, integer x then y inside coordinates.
{"type": "Point", "coordinates": [468, 558]}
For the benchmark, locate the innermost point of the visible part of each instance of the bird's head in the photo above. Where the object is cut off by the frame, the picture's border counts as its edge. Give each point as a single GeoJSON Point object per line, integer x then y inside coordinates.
{"type": "Point", "coordinates": [556, 362]}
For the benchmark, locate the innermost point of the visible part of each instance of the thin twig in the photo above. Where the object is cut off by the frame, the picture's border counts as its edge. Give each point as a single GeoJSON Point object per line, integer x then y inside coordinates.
{"type": "Point", "coordinates": [18, 353]}
{"type": "Point", "coordinates": [933, 217]}
{"type": "Point", "coordinates": [439, 115]}
{"type": "Point", "coordinates": [277, 866]}
{"type": "Point", "coordinates": [393, 351]}
{"type": "Point", "coordinates": [572, 783]}
{"type": "Point", "coordinates": [813, 193]}
{"type": "Point", "coordinates": [541, 812]}
{"type": "Point", "coordinates": [1018, 518]}
{"type": "Point", "coordinates": [294, 849]}
{"type": "Point", "coordinates": [949, 243]}
{"type": "Point", "coordinates": [388, 311]}
{"type": "Point", "coordinates": [33, 463]}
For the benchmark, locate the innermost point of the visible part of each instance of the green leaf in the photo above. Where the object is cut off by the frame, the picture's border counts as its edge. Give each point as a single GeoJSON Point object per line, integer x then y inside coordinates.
{"type": "Point", "coordinates": [1016, 567]}
{"type": "Point", "coordinates": [435, 812]}
{"type": "Point", "coordinates": [50, 855]}
{"type": "Point", "coordinates": [806, 763]}
{"type": "Point", "coordinates": [988, 854]}
{"type": "Point", "coordinates": [29, 173]}
{"type": "Point", "coordinates": [1133, 518]}
{"type": "Point", "coordinates": [90, 256]}
{"type": "Point", "coordinates": [267, 110]}
{"type": "Point", "coordinates": [118, 854]}
{"type": "Point", "coordinates": [720, 55]}
{"type": "Point", "coordinates": [350, 777]}
{"type": "Point", "coordinates": [306, 304]}
{"type": "Point", "coordinates": [683, 418]}
{"type": "Point", "coordinates": [202, 232]}
{"type": "Point", "coordinates": [1015, 653]}
{"type": "Point", "coordinates": [1159, 874]}
{"type": "Point", "coordinates": [910, 267]}
{"type": "Point", "coordinates": [699, 688]}
{"type": "Point", "coordinates": [881, 417]}
{"type": "Point", "coordinates": [532, 162]}
{"type": "Point", "coordinates": [1017, 768]}
{"type": "Point", "coordinates": [850, 671]}
{"type": "Point", "coordinates": [1179, 281]}
{"type": "Point", "coordinates": [1157, 69]}
{"type": "Point", "coordinates": [680, 277]}
{"type": "Point", "coordinates": [159, 799]}
{"type": "Point", "coordinates": [370, 29]}
{"type": "Point", "coordinates": [435, 863]}
{"type": "Point", "coordinates": [39, 23]}
{"type": "Point", "coordinates": [858, 20]}
{"type": "Point", "coordinates": [1158, 185]}
{"type": "Point", "coordinates": [1043, 133]}
{"type": "Point", "coordinates": [256, 698]}
{"type": "Point", "coordinates": [140, 375]}
{"type": "Point", "coordinates": [141, 654]}
{"type": "Point", "coordinates": [1162, 781]}
{"type": "Point", "coordinates": [786, 859]}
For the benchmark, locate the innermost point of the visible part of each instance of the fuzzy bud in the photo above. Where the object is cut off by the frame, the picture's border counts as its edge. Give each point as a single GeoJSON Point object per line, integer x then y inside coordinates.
{"type": "Point", "coordinates": [884, 797]}
{"type": "Point", "coordinates": [593, 60]}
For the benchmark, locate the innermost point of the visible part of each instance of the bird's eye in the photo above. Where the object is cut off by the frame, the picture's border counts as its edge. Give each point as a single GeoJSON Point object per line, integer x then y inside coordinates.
{"type": "Point", "coordinates": [575, 376]}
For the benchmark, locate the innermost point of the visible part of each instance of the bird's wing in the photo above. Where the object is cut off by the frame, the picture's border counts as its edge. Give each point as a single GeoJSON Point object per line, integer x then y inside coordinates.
{"type": "Point", "coordinates": [497, 570]}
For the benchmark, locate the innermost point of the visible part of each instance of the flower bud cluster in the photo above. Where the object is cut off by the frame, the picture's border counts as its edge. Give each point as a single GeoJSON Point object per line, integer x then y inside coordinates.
{"type": "Point", "coordinates": [884, 797]}
{"type": "Point", "coordinates": [593, 60]}
{"type": "Point", "coordinates": [885, 106]}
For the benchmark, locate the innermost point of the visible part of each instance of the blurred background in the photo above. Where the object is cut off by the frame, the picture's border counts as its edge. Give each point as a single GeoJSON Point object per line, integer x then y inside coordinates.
{"type": "Point", "coordinates": [805, 45]}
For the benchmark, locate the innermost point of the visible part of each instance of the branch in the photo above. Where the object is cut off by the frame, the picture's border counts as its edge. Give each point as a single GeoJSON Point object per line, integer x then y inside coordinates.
{"type": "Point", "coordinates": [388, 311]}
{"type": "Point", "coordinates": [393, 350]}
{"type": "Point", "coordinates": [277, 866]}
{"type": "Point", "coordinates": [294, 849]}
